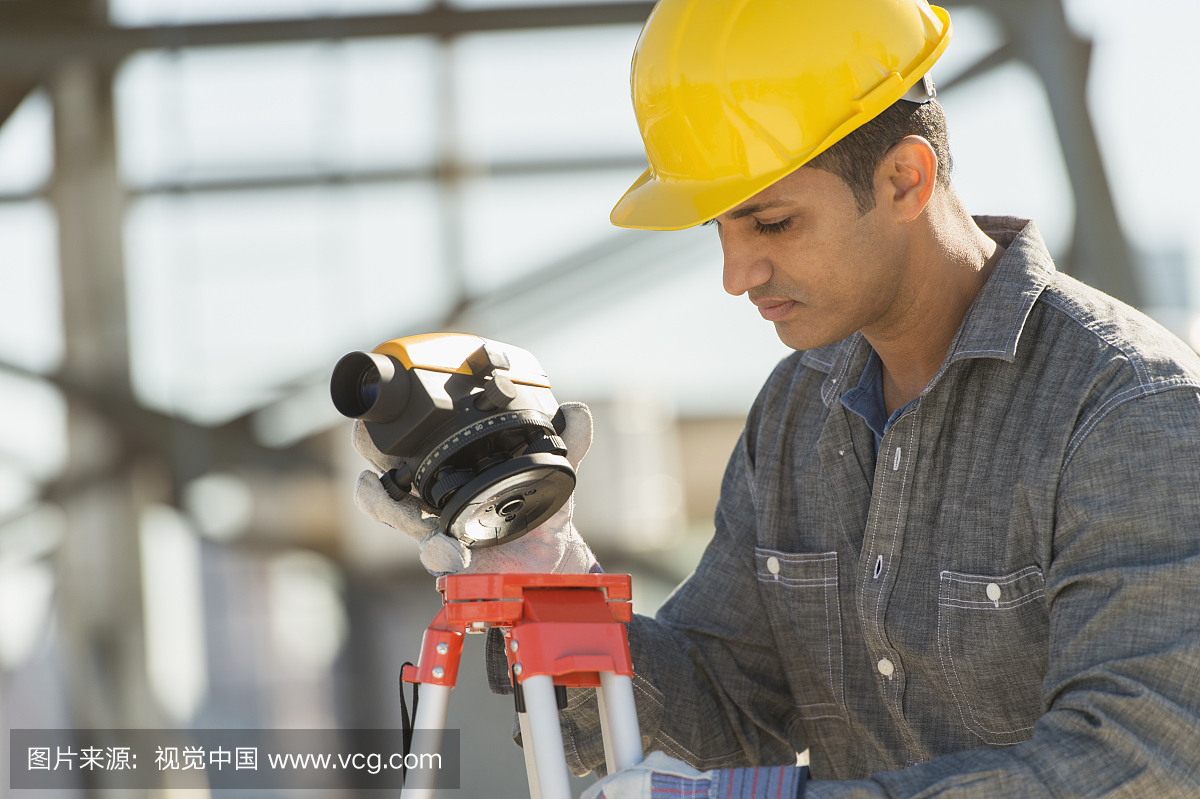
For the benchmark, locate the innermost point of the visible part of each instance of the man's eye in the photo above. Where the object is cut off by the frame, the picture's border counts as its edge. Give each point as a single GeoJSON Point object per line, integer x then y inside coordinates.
{"type": "Point", "coordinates": [774, 227]}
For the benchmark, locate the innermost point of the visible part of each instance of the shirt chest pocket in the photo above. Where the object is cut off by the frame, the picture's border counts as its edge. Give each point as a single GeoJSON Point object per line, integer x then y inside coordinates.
{"type": "Point", "coordinates": [992, 642]}
{"type": "Point", "coordinates": [800, 592]}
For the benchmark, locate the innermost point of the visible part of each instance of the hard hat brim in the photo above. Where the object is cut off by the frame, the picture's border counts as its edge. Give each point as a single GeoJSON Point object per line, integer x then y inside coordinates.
{"type": "Point", "coordinates": [663, 204]}
{"type": "Point", "coordinates": [651, 204]}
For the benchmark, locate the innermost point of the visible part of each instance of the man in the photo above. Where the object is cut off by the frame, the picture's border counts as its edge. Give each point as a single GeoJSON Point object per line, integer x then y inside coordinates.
{"type": "Point", "coordinates": [957, 549]}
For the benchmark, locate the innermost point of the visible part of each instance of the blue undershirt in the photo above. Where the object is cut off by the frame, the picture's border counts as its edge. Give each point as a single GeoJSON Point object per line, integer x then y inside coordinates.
{"type": "Point", "coordinates": [866, 400]}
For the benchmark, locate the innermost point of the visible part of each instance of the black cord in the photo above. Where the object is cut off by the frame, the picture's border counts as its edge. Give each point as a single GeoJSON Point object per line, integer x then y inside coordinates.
{"type": "Point", "coordinates": [407, 723]}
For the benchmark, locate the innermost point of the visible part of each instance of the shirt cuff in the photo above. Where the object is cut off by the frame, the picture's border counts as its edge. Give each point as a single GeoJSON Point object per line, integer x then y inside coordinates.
{"type": "Point", "coordinates": [764, 782]}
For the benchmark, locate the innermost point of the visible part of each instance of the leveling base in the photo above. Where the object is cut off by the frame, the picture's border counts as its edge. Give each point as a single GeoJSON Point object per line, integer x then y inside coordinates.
{"type": "Point", "coordinates": [560, 630]}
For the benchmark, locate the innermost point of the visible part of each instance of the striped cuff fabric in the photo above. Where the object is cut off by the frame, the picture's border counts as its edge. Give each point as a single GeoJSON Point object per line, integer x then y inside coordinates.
{"type": "Point", "coordinates": [672, 786]}
{"type": "Point", "coordinates": [766, 782]}
{"type": "Point", "coordinates": [772, 782]}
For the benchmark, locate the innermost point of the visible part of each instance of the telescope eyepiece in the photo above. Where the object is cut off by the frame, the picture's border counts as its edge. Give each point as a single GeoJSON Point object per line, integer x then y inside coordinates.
{"type": "Point", "coordinates": [369, 386]}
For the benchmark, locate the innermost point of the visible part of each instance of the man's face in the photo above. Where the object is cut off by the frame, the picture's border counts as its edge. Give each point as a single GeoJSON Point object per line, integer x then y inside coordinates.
{"type": "Point", "coordinates": [809, 261]}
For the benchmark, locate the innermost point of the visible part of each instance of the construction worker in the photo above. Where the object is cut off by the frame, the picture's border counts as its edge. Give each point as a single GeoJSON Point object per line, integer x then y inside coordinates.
{"type": "Point", "coordinates": [957, 548]}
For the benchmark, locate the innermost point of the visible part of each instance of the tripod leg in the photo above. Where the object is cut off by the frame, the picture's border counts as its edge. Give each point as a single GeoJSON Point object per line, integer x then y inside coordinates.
{"type": "Point", "coordinates": [618, 719]}
{"type": "Point", "coordinates": [610, 757]}
{"type": "Point", "coordinates": [545, 737]}
{"type": "Point", "coordinates": [427, 740]}
{"type": "Point", "coordinates": [530, 761]}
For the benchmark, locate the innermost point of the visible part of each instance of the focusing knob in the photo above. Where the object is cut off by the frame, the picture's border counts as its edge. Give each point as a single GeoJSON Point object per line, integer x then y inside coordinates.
{"type": "Point", "coordinates": [498, 392]}
{"type": "Point", "coordinates": [397, 482]}
{"type": "Point", "coordinates": [547, 442]}
{"type": "Point", "coordinates": [447, 483]}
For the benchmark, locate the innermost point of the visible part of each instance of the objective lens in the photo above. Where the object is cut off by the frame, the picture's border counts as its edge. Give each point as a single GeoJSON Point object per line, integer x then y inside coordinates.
{"type": "Point", "coordinates": [368, 387]}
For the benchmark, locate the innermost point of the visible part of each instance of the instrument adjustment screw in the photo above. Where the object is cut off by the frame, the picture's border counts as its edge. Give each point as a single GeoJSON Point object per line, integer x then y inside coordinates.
{"type": "Point", "coordinates": [443, 648]}
{"type": "Point", "coordinates": [438, 672]}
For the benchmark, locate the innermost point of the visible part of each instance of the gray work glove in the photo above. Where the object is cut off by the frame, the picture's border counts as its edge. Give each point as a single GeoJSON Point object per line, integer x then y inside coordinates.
{"type": "Point", "coordinates": [553, 547]}
{"type": "Point", "coordinates": [660, 775]}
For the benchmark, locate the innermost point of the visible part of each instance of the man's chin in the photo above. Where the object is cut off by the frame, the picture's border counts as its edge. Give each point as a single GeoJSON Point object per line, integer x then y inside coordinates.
{"type": "Point", "coordinates": [803, 337]}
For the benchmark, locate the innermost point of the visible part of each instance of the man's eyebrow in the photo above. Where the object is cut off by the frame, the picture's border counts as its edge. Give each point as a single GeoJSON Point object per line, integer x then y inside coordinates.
{"type": "Point", "coordinates": [753, 209]}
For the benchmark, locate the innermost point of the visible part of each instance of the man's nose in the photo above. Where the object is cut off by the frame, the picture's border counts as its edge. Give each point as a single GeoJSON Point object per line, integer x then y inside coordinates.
{"type": "Point", "coordinates": [744, 267]}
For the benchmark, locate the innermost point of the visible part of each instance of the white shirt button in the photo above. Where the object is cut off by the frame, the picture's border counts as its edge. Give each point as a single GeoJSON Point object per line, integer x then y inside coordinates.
{"type": "Point", "coordinates": [993, 592]}
{"type": "Point", "coordinates": [886, 667]}
{"type": "Point", "coordinates": [773, 565]}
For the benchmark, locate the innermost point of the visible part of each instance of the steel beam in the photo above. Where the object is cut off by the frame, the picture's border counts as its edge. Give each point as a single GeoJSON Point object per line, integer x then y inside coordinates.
{"type": "Point", "coordinates": [32, 43]}
{"type": "Point", "coordinates": [1038, 34]}
{"type": "Point", "coordinates": [635, 164]}
{"type": "Point", "coordinates": [12, 93]}
{"type": "Point", "coordinates": [99, 598]}
{"type": "Point", "coordinates": [993, 60]}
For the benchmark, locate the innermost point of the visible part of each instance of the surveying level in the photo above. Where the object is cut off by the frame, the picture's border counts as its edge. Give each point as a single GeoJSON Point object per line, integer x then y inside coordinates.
{"type": "Point", "coordinates": [474, 424]}
{"type": "Point", "coordinates": [560, 630]}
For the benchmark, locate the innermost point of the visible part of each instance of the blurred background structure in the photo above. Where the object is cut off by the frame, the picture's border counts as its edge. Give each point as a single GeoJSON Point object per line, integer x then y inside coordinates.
{"type": "Point", "coordinates": [204, 203]}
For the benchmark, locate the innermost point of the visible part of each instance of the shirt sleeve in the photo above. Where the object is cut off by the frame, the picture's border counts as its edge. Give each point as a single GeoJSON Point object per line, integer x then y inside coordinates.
{"type": "Point", "coordinates": [708, 683]}
{"type": "Point", "coordinates": [1122, 690]}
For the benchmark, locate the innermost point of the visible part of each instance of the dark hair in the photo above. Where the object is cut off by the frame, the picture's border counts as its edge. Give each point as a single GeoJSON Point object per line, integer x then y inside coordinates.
{"type": "Point", "coordinates": [855, 158]}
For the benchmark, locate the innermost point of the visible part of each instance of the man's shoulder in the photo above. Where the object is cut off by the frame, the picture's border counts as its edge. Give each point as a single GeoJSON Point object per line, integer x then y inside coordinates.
{"type": "Point", "coordinates": [1124, 347]}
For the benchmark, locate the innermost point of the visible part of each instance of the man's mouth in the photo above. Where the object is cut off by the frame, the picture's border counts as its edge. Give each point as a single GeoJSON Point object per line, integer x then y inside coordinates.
{"type": "Point", "coordinates": [774, 309]}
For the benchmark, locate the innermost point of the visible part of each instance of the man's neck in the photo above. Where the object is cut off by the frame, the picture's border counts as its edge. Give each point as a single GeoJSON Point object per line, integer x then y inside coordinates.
{"type": "Point", "coordinates": [948, 260]}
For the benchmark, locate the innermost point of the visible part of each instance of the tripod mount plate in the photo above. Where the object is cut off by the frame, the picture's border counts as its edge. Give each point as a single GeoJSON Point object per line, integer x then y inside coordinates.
{"type": "Point", "coordinates": [509, 499]}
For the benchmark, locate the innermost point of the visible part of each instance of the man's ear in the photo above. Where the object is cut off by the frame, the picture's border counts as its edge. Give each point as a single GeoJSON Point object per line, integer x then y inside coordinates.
{"type": "Point", "coordinates": [907, 177]}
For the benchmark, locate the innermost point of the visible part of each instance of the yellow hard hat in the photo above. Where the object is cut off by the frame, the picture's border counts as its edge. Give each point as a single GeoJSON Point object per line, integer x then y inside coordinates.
{"type": "Point", "coordinates": [732, 95]}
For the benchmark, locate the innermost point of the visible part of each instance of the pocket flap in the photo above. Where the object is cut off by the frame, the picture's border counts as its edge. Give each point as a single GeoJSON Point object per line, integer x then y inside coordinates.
{"type": "Point", "coordinates": [796, 570]}
{"type": "Point", "coordinates": [981, 592]}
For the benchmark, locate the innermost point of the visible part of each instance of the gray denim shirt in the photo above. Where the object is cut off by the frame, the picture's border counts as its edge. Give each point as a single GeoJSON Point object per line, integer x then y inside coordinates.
{"type": "Point", "coordinates": [1005, 602]}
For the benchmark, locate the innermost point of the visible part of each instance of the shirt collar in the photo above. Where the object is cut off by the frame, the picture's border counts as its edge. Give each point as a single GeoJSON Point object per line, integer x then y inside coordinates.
{"type": "Point", "coordinates": [994, 322]}
{"type": "Point", "coordinates": [866, 399]}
